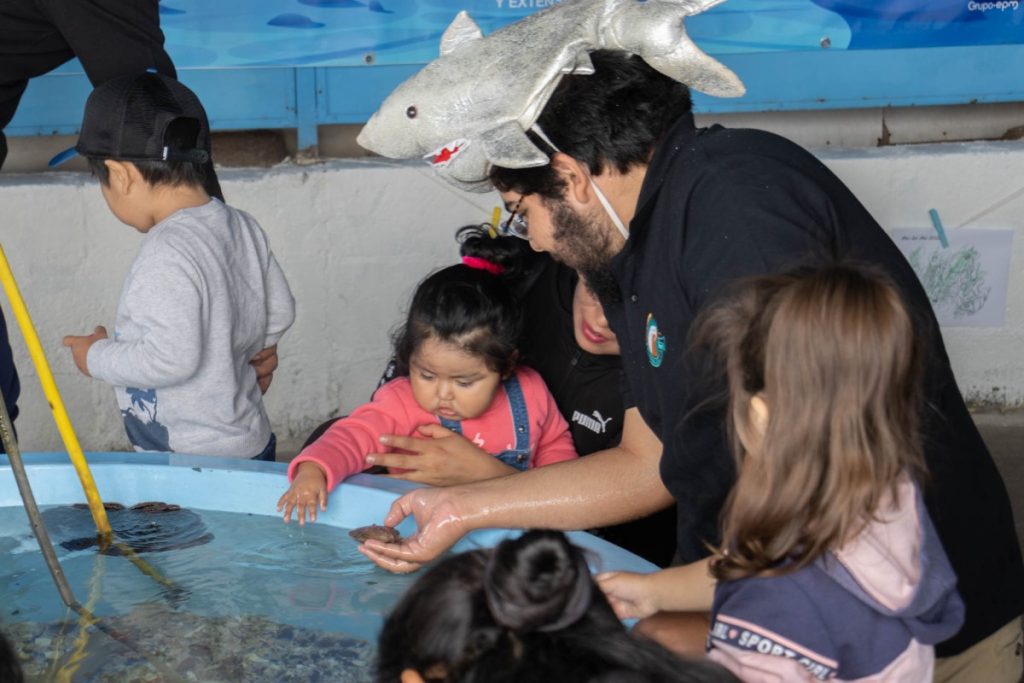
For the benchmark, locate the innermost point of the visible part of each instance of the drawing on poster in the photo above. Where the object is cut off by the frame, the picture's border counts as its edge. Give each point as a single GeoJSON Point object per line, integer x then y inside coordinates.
{"type": "Point", "coordinates": [955, 280]}
{"type": "Point", "coordinates": [966, 281]}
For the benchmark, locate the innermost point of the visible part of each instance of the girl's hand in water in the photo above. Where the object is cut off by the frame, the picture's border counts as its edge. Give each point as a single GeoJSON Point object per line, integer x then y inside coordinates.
{"type": "Point", "coordinates": [440, 458]}
{"type": "Point", "coordinates": [439, 522]}
{"type": "Point", "coordinates": [307, 493]}
{"type": "Point", "coordinates": [631, 595]}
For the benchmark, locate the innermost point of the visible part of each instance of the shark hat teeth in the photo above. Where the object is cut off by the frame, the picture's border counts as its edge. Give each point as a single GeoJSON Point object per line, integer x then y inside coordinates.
{"type": "Point", "coordinates": [447, 153]}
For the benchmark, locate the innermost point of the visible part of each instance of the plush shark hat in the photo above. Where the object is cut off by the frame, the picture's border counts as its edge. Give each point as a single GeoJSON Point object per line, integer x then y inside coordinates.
{"type": "Point", "coordinates": [470, 108]}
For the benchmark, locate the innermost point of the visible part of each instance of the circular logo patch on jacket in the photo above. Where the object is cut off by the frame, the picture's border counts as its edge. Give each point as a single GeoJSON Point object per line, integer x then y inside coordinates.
{"type": "Point", "coordinates": [655, 342]}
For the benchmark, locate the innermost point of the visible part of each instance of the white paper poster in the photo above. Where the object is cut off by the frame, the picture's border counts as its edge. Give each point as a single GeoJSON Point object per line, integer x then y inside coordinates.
{"type": "Point", "coordinates": [967, 281]}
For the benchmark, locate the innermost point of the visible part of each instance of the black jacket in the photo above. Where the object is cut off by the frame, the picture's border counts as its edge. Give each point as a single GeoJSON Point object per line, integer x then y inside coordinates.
{"type": "Point", "coordinates": [588, 391]}
{"type": "Point", "coordinates": [717, 205]}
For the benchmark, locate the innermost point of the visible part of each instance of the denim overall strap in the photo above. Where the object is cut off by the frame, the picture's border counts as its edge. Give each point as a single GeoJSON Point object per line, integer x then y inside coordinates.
{"type": "Point", "coordinates": [453, 425]}
{"type": "Point", "coordinates": [520, 456]}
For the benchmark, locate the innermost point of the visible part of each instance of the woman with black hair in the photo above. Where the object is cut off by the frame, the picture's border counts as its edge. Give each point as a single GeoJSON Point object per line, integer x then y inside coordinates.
{"type": "Point", "coordinates": [526, 610]}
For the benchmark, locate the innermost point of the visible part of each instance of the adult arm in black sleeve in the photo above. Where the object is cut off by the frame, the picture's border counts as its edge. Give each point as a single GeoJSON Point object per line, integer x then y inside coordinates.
{"type": "Point", "coordinates": [8, 374]}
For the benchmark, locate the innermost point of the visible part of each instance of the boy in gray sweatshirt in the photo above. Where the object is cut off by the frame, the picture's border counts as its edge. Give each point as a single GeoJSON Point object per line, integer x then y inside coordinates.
{"type": "Point", "coordinates": [205, 295]}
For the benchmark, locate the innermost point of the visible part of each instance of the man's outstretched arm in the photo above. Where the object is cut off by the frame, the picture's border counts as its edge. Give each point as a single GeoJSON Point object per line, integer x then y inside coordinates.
{"type": "Point", "coordinates": [603, 488]}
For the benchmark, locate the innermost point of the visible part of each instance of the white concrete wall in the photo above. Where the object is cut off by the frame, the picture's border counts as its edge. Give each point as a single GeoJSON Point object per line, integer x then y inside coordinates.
{"type": "Point", "coordinates": [971, 185]}
{"type": "Point", "coordinates": [354, 237]}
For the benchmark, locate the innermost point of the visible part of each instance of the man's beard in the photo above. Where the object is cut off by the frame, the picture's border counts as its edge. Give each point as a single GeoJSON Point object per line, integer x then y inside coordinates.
{"type": "Point", "coordinates": [587, 249]}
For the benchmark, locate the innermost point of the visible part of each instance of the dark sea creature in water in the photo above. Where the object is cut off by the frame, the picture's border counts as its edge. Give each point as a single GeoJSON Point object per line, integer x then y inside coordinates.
{"type": "Point", "coordinates": [145, 527]}
{"type": "Point", "coordinates": [106, 506]}
{"type": "Point", "coordinates": [376, 532]}
{"type": "Point", "coordinates": [153, 506]}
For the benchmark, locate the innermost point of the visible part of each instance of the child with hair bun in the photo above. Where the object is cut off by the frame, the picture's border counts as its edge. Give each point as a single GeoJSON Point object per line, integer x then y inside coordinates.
{"type": "Point", "coordinates": [526, 610]}
{"type": "Point", "coordinates": [456, 365]}
{"type": "Point", "coordinates": [830, 568]}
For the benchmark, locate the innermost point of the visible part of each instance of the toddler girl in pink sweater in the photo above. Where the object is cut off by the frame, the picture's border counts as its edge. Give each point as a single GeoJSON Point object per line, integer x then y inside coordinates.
{"type": "Point", "coordinates": [456, 361]}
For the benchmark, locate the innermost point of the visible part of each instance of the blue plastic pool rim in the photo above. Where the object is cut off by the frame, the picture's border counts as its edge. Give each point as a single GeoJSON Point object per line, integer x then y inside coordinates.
{"type": "Point", "coordinates": [248, 487]}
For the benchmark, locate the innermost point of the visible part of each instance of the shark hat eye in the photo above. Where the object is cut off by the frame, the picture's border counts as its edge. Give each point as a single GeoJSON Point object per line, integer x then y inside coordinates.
{"type": "Point", "coordinates": [411, 112]}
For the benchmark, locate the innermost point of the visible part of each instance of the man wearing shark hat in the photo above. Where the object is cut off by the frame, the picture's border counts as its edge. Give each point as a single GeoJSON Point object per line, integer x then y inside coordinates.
{"type": "Point", "coordinates": [703, 207]}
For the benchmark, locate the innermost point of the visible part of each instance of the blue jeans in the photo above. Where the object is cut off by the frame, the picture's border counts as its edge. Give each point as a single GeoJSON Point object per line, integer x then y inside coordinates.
{"type": "Point", "coordinates": [269, 453]}
{"type": "Point", "coordinates": [519, 456]}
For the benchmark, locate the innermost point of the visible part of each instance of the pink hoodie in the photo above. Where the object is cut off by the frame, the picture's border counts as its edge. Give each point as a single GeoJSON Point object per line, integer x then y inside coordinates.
{"type": "Point", "coordinates": [869, 612]}
{"type": "Point", "coordinates": [341, 451]}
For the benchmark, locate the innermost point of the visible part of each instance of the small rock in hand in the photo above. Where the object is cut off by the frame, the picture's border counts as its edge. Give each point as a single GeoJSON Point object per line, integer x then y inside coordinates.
{"type": "Point", "coordinates": [385, 534]}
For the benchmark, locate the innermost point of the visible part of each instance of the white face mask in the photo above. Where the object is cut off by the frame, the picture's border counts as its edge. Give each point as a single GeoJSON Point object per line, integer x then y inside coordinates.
{"type": "Point", "coordinates": [619, 225]}
{"type": "Point", "coordinates": [609, 210]}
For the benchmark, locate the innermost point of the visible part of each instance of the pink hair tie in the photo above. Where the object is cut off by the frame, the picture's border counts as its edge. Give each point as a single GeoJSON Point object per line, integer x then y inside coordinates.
{"type": "Point", "coordinates": [483, 264]}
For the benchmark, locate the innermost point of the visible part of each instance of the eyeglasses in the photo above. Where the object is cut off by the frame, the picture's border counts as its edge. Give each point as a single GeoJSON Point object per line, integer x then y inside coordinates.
{"type": "Point", "coordinates": [516, 225]}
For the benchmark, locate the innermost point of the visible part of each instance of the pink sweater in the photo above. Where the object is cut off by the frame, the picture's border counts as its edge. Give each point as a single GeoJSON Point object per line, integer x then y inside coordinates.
{"type": "Point", "coordinates": [393, 410]}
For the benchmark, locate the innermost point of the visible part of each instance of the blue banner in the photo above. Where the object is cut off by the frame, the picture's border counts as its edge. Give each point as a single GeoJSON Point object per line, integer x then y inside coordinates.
{"type": "Point", "coordinates": [304, 63]}
{"type": "Point", "coordinates": [253, 33]}
{"type": "Point", "coordinates": [349, 33]}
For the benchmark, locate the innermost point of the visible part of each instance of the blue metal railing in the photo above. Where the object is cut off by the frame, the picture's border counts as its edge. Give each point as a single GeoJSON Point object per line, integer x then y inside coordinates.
{"type": "Point", "coordinates": [304, 97]}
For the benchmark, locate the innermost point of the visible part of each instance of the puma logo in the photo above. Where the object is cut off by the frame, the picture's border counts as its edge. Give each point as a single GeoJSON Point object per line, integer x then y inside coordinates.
{"type": "Point", "coordinates": [594, 423]}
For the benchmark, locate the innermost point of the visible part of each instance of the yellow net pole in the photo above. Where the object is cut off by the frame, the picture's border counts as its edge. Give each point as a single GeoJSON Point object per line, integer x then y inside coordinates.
{"type": "Point", "coordinates": [60, 415]}
{"type": "Point", "coordinates": [495, 222]}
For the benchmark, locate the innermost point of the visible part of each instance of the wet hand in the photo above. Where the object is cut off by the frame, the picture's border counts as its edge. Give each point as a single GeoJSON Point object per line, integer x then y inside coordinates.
{"type": "Point", "coordinates": [630, 594]}
{"type": "Point", "coordinates": [441, 458]}
{"type": "Point", "coordinates": [307, 494]}
{"type": "Point", "coordinates": [80, 345]}
{"type": "Point", "coordinates": [265, 363]}
{"type": "Point", "coordinates": [439, 522]}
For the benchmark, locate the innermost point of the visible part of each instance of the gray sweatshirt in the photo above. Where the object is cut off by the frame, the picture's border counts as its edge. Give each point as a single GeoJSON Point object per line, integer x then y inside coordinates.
{"type": "Point", "coordinates": [203, 296]}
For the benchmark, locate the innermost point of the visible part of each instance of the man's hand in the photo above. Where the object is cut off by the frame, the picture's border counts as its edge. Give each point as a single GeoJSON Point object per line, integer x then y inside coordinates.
{"type": "Point", "coordinates": [265, 363]}
{"type": "Point", "coordinates": [80, 347]}
{"type": "Point", "coordinates": [443, 458]}
{"type": "Point", "coordinates": [440, 525]}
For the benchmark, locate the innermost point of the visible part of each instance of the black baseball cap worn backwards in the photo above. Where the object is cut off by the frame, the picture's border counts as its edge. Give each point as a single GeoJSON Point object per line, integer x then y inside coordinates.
{"type": "Point", "coordinates": [128, 119]}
